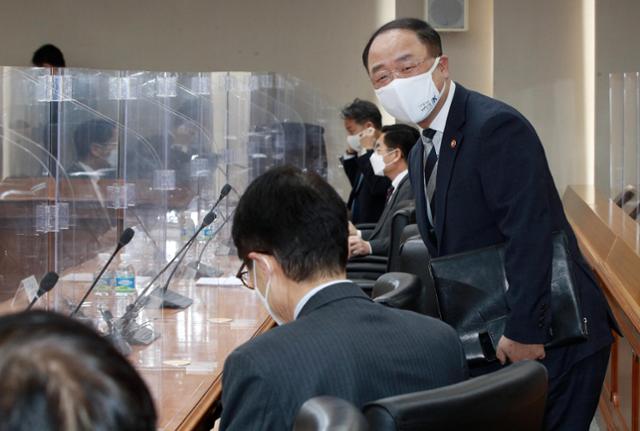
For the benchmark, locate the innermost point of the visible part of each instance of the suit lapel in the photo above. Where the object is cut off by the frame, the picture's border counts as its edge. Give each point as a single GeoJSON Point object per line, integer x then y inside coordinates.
{"type": "Point", "coordinates": [449, 148]}
{"type": "Point", "coordinates": [388, 207]}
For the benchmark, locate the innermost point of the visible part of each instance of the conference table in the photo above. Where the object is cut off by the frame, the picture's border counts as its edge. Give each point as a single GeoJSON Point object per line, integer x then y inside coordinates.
{"type": "Point", "coordinates": [183, 367]}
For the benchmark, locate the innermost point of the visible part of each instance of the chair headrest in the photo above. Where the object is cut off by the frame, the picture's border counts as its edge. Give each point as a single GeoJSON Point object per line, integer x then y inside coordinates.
{"type": "Point", "coordinates": [511, 398]}
{"type": "Point", "coordinates": [326, 413]}
{"type": "Point", "coordinates": [397, 290]}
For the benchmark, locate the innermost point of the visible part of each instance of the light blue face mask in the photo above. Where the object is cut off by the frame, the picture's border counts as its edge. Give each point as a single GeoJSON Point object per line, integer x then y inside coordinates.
{"type": "Point", "coordinates": [265, 298]}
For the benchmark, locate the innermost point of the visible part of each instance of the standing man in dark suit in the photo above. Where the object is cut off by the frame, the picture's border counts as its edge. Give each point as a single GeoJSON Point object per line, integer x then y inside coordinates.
{"type": "Point", "coordinates": [389, 159]}
{"type": "Point", "coordinates": [480, 177]}
{"type": "Point", "coordinates": [332, 339]}
{"type": "Point", "coordinates": [363, 121]}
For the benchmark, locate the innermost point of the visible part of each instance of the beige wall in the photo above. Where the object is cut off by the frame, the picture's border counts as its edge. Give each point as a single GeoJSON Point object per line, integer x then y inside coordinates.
{"type": "Point", "coordinates": [617, 37]}
{"type": "Point", "coordinates": [527, 53]}
{"type": "Point", "coordinates": [318, 41]}
{"type": "Point", "coordinates": [538, 69]}
{"type": "Point", "coordinates": [470, 52]}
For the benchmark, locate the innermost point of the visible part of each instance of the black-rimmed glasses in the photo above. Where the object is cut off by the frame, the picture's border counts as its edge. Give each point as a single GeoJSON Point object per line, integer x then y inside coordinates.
{"type": "Point", "coordinates": [243, 276]}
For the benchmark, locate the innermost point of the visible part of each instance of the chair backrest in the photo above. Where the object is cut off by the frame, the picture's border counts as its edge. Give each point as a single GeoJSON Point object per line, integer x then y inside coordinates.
{"type": "Point", "coordinates": [414, 259]}
{"type": "Point", "coordinates": [403, 217]}
{"type": "Point", "coordinates": [326, 413]}
{"type": "Point", "coordinates": [512, 398]}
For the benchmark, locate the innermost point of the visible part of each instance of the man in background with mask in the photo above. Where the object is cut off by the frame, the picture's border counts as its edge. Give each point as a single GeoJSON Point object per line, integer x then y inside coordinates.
{"type": "Point", "coordinates": [97, 154]}
{"type": "Point", "coordinates": [332, 338]}
{"type": "Point", "coordinates": [389, 158]}
{"type": "Point", "coordinates": [96, 150]}
{"type": "Point", "coordinates": [480, 178]}
{"type": "Point", "coordinates": [362, 121]}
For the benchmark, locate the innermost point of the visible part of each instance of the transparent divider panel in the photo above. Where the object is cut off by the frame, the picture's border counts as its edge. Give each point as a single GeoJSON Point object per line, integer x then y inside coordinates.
{"type": "Point", "coordinates": [616, 137]}
{"type": "Point", "coordinates": [27, 207]}
{"type": "Point", "coordinates": [630, 136]}
{"type": "Point", "coordinates": [86, 154]}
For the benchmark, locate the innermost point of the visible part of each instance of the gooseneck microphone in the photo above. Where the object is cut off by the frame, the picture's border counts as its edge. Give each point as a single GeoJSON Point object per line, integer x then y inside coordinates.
{"type": "Point", "coordinates": [202, 269]}
{"type": "Point", "coordinates": [206, 221]}
{"type": "Point", "coordinates": [46, 284]}
{"type": "Point", "coordinates": [125, 238]}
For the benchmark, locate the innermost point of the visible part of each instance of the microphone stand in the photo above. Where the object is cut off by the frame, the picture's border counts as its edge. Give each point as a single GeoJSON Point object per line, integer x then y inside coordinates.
{"type": "Point", "coordinates": [125, 238]}
{"type": "Point", "coordinates": [204, 270]}
{"type": "Point", "coordinates": [173, 297]}
{"type": "Point", "coordinates": [125, 330]}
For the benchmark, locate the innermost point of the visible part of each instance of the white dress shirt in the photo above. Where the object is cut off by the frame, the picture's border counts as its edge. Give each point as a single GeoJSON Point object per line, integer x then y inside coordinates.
{"type": "Point", "coordinates": [303, 301]}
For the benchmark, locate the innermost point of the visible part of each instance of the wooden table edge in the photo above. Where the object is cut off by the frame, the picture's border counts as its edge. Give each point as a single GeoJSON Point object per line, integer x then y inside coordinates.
{"type": "Point", "coordinates": [199, 411]}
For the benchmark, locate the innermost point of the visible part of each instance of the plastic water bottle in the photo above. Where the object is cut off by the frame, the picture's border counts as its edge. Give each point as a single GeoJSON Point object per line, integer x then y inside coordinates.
{"type": "Point", "coordinates": [107, 282]}
{"type": "Point", "coordinates": [125, 276]}
{"type": "Point", "coordinates": [206, 233]}
{"type": "Point", "coordinates": [187, 226]}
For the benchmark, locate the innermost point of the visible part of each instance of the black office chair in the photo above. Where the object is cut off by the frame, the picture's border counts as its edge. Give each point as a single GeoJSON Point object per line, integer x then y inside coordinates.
{"type": "Point", "coordinates": [326, 413]}
{"type": "Point", "coordinates": [512, 398]}
{"type": "Point", "coordinates": [364, 271]}
{"type": "Point", "coordinates": [413, 259]}
{"type": "Point", "coordinates": [399, 290]}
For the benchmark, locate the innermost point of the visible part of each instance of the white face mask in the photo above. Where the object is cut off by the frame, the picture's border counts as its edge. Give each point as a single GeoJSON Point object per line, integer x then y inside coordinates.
{"type": "Point", "coordinates": [411, 100]}
{"type": "Point", "coordinates": [113, 159]}
{"type": "Point", "coordinates": [354, 142]}
{"type": "Point", "coordinates": [377, 163]}
{"type": "Point", "coordinates": [265, 298]}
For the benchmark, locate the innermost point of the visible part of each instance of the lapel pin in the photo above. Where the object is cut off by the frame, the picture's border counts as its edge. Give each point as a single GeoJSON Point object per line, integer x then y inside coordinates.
{"type": "Point", "coordinates": [453, 144]}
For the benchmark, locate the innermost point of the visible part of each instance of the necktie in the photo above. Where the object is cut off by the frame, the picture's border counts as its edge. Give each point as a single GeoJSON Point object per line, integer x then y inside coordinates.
{"type": "Point", "coordinates": [389, 192]}
{"type": "Point", "coordinates": [430, 170]}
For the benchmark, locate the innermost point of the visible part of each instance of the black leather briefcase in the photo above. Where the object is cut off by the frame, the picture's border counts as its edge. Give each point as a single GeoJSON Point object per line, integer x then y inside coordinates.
{"type": "Point", "coordinates": [471, 290]}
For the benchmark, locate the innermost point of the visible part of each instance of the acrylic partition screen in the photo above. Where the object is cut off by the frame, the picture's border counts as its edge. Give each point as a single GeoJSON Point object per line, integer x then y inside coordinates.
{"type": "Point", "coordinates": [86, 154]}
{"type": "Point", "coordinates": [624, 139]}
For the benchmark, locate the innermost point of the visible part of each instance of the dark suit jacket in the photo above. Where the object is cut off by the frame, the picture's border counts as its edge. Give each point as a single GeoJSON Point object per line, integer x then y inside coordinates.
{"type": "Point", "coordinates": [342, 344]}
{"type": "Point", "coordinates": [368, 191]}
{"type": "Point", "coordinates": [380, 235]}
{"type": "Point", "coordinates": [494, 186]}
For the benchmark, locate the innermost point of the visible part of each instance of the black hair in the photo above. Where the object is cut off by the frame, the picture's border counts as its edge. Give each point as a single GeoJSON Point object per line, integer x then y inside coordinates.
{"type": "Point", "coordinates": [48, 54]}
{"type": "Point", "coordinates": [362, 111]}
{"type": "Point", "coordinates": [90, 132]}
{"type": "Point", "coordinates": [56, 373]}
{"type": "Point", "coordinates": [401, 136]}
{"type": "Point", "coordinates": [426, 34]}
{"type": "Point", "coordinates": [296, 217]}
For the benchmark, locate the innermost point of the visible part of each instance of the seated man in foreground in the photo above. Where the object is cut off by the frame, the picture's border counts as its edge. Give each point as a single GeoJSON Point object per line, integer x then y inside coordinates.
{"type": "Point", "coordinates": [332, 339]}
{"type": "Point", "coordinates": [389, 159]}
{"type": "Point", "coordinates": [58, 374]}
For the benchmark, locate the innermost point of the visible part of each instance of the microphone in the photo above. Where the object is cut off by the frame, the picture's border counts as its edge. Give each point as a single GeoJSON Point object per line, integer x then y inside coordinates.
{"type": "Point", "coordinates": [172, 299]}
{"type": "Point", "coordinates": [46, 284]}
{"type": "Point", "coordinates": [203, 270]}
{"type": "Point", "coordinates": [125, 238]}
{"type": "Point", "coordinates": [125, 330]}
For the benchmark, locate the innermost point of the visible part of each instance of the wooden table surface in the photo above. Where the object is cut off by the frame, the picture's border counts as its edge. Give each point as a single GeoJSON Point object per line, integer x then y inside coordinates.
{"type": "Point", "coordinates": [183, 367]}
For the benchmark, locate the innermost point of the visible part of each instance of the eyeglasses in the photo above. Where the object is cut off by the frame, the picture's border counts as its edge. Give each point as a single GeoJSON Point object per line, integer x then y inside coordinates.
{"type": "Point", "coordinates": [405, 69]}
{"type": "Point", "coordinates": [243, 275]}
